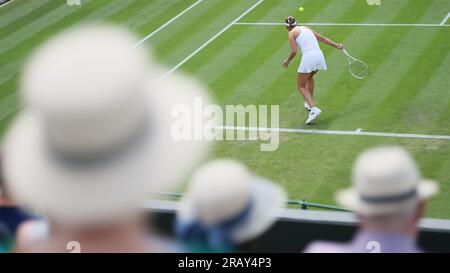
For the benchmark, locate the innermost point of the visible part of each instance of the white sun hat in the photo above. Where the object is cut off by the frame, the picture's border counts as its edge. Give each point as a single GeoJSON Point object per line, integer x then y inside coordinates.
{"type": "Point", "coordinates": [222, 190]}
{"type": "Point", "coordinates": [385, 180]}
{"type": "Point", "coordinates": [95, 131]}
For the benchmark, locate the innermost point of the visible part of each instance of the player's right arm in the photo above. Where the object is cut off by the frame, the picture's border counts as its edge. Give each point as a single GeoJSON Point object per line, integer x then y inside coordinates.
{"type": "Point", "coordinates": [293, 51]}
{"type": "Point", "coordinates": [327, 41]}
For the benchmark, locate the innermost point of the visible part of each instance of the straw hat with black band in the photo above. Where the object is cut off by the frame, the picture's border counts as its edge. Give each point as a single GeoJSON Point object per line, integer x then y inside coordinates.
{"type": "Point", "coordinates": [95, 131]}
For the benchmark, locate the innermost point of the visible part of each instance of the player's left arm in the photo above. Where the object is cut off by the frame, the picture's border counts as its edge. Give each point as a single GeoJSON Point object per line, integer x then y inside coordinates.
{"type": "Point", "coordinates": [293, 51]}
{"type": "Point", "coordinates": [327, 41]}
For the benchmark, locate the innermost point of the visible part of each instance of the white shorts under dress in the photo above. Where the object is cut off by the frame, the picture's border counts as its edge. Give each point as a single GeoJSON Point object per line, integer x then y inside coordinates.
{"type": "Point", "coordinates": [312, 61]}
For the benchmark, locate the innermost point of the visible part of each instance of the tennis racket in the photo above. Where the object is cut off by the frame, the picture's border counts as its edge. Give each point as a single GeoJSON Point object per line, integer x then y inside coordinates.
{"type": "Point", "coordinates": [358, 68]}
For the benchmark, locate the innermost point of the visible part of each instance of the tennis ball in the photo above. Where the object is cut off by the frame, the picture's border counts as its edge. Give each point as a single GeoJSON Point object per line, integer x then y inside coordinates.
{"type": "Point", "coordinates": [301, 9]}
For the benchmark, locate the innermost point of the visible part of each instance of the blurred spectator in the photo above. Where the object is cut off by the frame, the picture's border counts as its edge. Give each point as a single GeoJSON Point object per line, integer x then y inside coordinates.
{"type": "Point", "coordinates": [227, 207]}
{"type": "Point", "coordinates": [11, 216]}
{"type": "Point", "coordinates": [94, 137]}
{"type": "Point", "coordinates": [5, 239]}
{"type": "Point", "coordinates": [388, 196]}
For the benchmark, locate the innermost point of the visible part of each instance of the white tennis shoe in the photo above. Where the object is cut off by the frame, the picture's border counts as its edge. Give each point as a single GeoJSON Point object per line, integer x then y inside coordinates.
{"type": "Point", "coordinates": [307, 106]}
{"type": "Point", "coordinates": [315, 112]}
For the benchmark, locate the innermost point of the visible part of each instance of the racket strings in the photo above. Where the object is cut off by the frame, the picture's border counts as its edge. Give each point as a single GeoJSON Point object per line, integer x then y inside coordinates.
{"type": "Point", "coordinates": [359, 69]}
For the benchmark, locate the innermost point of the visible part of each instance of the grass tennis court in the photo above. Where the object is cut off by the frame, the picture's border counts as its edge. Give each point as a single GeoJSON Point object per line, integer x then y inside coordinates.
{"type": "Point", "coordinates": [406, 44]}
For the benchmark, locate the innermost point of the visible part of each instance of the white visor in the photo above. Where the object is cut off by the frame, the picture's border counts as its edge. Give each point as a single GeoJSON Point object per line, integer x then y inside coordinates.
{"type": "Point", "coordinates": [290, 25]}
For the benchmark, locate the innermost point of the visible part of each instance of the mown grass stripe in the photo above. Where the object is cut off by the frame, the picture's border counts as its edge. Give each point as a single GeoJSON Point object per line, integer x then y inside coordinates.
{"type": "Point", "coordinates": [93, 9]}
{"type": "Point", "coordinates": [228, 55]}
{"type": "Point", "coordinates": [7, 87]}
{"type": "Point", "coordinates": [18, 10]}
{"type": "Point", "coordinates": [152, 11]}
{"type": "Point", "coordinates": [401, 95]}
{"type": "Point", "coordinates": [156, 13]}
{"type": "Point", "coordinates": [220, 57]}
{"type": "Point", "coordinates": [334, 12]}
{"type": "Point", "coordinates": [9, 68]}
{"type": "Point", "coordinates": [7, 103]}
{"type": "Point", "coordinates": [432, 157]}
{"type": "Point", "coordinates": [89, 10]}
{"type": "Point", "coordinates": [180, 40]}
{"type": "Point", "coordinates": [34, 14]}
{"type": "Point", "coordinates": [98, 10]}
{"type": "Point", "coordinates": [426, 109]}
{"type": "Point", "coordinates": [388, 73]}
{"type": "Point", "coordinates": [148, 36]}
{"type": "Point", "coordinates": [443, 118]}
{"type": "Point", "coordinates": [109, 8]}
{"type": "Point", "coordinates": [244, 76]}
{"type": "Point", "coordinates": [8, 109]}
{"type": "Point", "coordinates": [24, 33]}
{"type": "Point", "coordinates": [12, 60]}
{"type": "Point", "coordinates": [128, 11]}
{"type": "Point", "coordinates": [211, 39]}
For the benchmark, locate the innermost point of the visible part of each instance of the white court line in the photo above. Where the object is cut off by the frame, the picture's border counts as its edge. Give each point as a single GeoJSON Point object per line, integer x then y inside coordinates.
{"type": "Point", "coordinates": [445, 19]}
{"type": "Point", "coordinates": [210, 40]}
{"type": "Point", "coordinates": [342, 24]}
{"type": "Point", "coordinates": [332, 132]}
{"type": "Point", "coordinates": [6, 3]}
{"type": "Point", "coordinates": [168, 22]}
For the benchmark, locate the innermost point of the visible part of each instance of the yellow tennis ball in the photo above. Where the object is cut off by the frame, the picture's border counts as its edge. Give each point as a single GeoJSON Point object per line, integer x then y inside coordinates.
{"type": "Point", "coordinates": [301, 9]}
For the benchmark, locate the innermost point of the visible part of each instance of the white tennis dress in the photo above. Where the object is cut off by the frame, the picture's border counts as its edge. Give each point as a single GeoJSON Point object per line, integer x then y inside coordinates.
{"type": "Point", "coordinates": [312, 56]}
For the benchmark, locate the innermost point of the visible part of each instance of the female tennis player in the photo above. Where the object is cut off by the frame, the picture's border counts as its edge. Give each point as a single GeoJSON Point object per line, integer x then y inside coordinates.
{"type": "Point", "coordinates": [312, 60]}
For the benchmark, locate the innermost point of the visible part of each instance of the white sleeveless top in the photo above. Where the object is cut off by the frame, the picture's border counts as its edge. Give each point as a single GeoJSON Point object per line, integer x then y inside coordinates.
{"type": "Point", "coordinates": [307, 41]}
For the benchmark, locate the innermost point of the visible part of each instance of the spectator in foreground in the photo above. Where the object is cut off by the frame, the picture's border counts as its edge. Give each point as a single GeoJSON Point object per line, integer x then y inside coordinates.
{"type": "Point", "coordinates": [12, 217]}
{"type": "Point", "coordinates": [226, 208]}
{"type": "Point", "coordinates": [5, 239]}
{"type": "Point", "coordinates": [93, 138]}
{"type": "Point", "coordinates": [388, 197]}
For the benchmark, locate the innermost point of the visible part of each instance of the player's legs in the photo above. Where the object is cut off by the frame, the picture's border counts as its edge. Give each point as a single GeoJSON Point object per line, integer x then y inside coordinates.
{"type": "Point", "coordinates": [310, 84]}
{"type": "Point", "coordinates": [302, 80]}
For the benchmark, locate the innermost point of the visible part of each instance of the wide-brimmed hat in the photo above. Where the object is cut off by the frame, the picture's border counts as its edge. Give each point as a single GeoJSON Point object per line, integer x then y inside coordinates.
{"type": "Point", "coordinates": [385, 180]}
{"type": "Point", "coordinates": [95, 131]}
{"type": "Point", "coordinates": [224, 191]}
